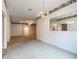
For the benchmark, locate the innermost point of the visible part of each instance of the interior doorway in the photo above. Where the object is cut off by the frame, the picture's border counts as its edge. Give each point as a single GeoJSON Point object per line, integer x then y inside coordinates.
{"type": "Point", "coordinates": [29, 31]}
{"type": "Point", "coordinates": [22, 32]}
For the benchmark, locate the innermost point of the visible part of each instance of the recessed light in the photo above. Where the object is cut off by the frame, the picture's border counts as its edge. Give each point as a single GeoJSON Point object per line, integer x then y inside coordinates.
{"type": "Point", "coordinates": [30, 9]}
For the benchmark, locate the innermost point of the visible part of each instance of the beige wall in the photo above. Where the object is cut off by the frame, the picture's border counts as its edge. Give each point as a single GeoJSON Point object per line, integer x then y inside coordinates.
{"type": "Point", "coordinates": [19, 30]}
{"type": "Point", "coordinates": [16, 29]}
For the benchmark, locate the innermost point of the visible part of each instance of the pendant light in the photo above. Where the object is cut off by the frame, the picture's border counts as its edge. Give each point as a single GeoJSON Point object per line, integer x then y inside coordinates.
{"type": "Point", "coordinates": [43, 8]}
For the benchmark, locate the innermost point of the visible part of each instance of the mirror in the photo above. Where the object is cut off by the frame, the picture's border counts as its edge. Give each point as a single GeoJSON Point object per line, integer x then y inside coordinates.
{"type": "Point", "coordinates": [65, 22]}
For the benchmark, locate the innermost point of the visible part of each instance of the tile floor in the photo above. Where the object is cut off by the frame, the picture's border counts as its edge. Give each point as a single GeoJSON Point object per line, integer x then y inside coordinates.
{"type": "Point", "coordinates": [36, 50]}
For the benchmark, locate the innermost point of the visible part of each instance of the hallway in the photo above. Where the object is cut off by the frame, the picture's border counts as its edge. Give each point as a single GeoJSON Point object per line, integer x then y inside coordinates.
{"type": "Point", "coordinates": [39, 29]}
{"type": "Point", "coordinates": [35, 49]}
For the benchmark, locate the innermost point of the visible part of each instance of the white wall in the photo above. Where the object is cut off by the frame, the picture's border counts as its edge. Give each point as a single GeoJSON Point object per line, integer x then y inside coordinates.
{"type": "Point", "coordinates": [63, 39]}
{"type": "Point", "coordinates": [16, 30]}
{"type": "Point", "coordinates": [7, 24]}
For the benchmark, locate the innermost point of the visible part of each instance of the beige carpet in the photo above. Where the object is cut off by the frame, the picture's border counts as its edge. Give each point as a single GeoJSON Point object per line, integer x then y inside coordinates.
{"type": "Point", "coordinates": [36, 50]}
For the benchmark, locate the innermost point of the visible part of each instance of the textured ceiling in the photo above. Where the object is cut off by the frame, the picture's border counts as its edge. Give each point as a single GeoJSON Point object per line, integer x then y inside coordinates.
{"type": "Point", "coordinates": [18, 9]}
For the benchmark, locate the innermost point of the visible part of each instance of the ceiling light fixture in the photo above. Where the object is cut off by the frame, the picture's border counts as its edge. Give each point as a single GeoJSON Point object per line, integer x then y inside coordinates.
{"type": "Point", "coordinates": [41, 13]}
{"type": "Point", "coordinates": [30, 22]}
{"type": "Point", "coordinates": [30, 9]}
